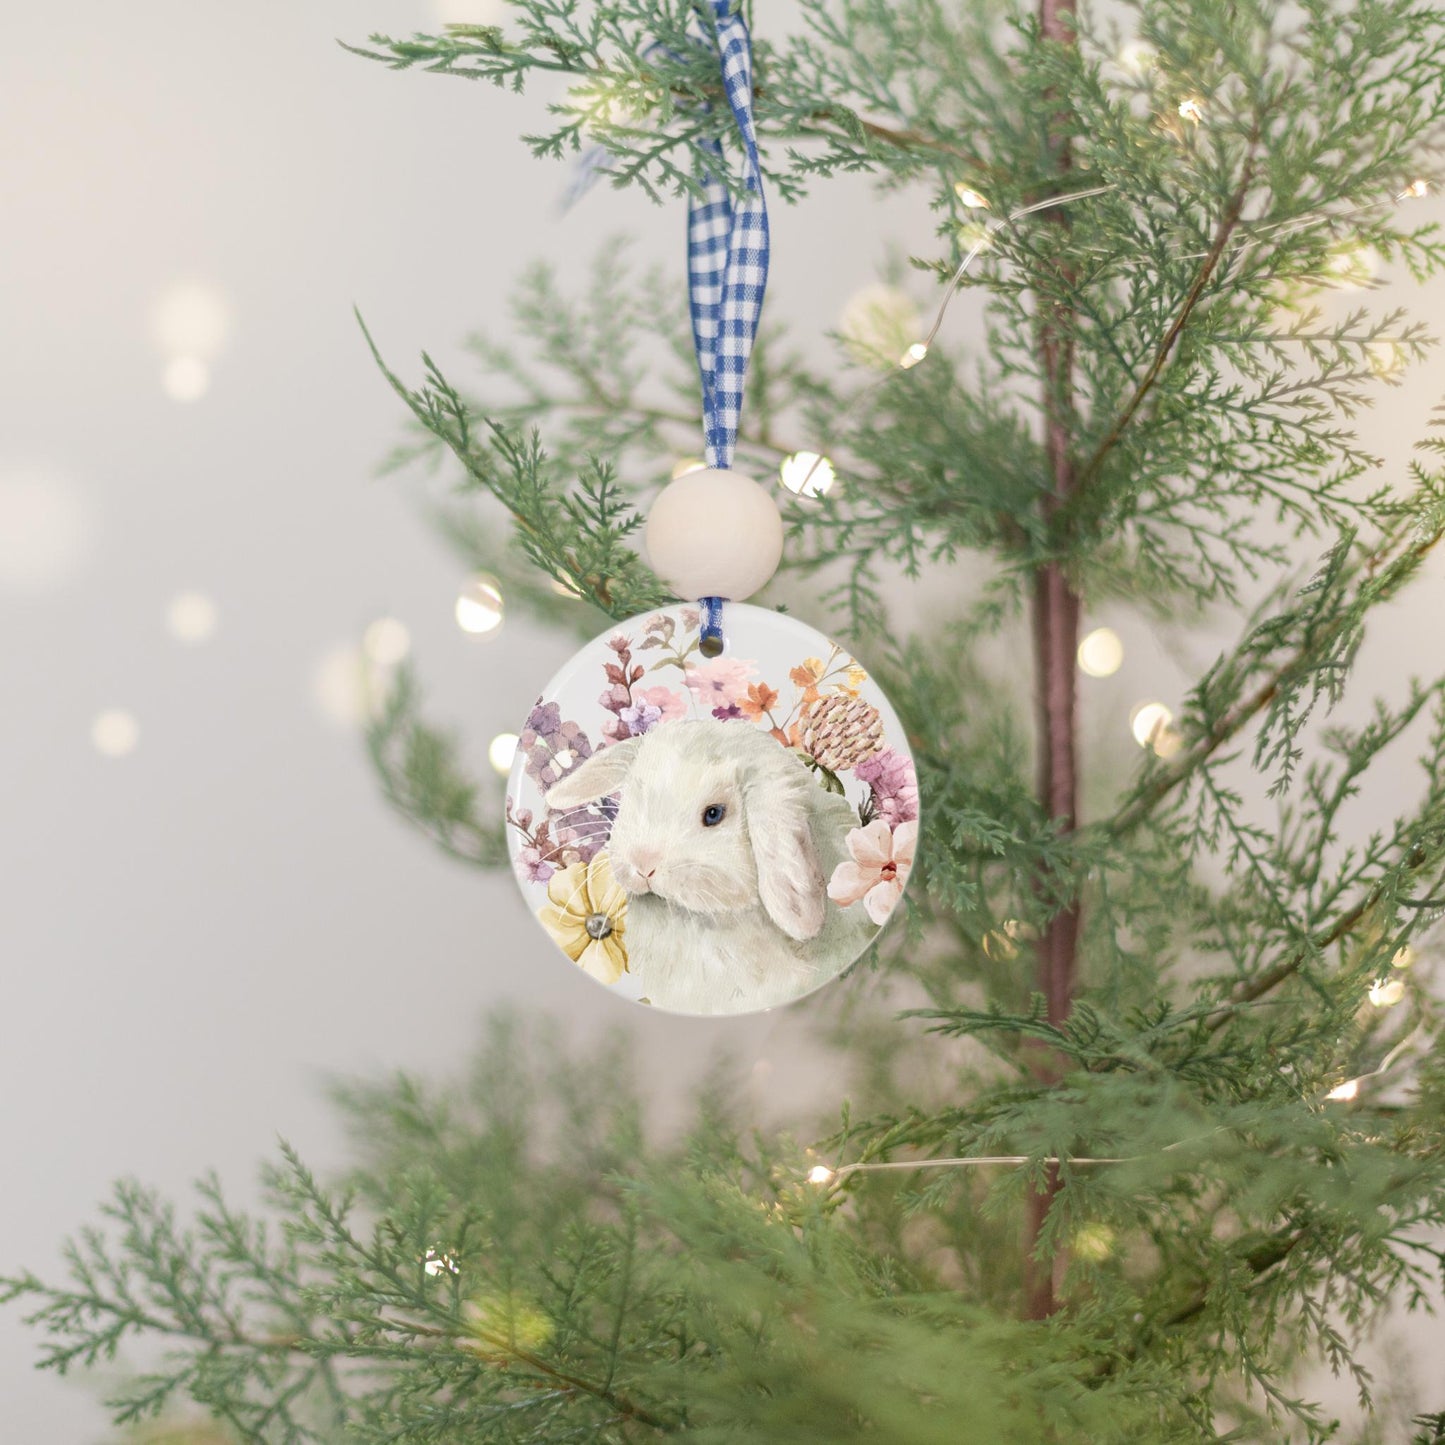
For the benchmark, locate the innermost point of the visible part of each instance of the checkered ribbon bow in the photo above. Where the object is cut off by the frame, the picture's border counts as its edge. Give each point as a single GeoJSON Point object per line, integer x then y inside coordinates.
{"type": "Point", "coordinates": [727, 252]}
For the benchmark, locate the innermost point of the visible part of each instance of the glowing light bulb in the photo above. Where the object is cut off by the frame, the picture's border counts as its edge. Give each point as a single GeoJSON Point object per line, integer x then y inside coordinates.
{"type": "Point", "coordinates": [1416, 190]}
{"type": "Point", "coordinates": [386, 641]}
{"type": "Point", "coordinates": [1101, 653]}
{"type": "Point", "coordinates": [1147, 721]}
{"type": "Point", "coordinates": [501, 750]}
{"type": "Point", "coordinates": [1387, 992]}
{"type": "Point", "coordinates": [913, 356]}
{"type": "Point", "coordinates": [191, 617]}
{"type": "Point", "coordinates": [1192, 110]}
{"type": "Point", "coordinates": [114, 733]}
{"type": "Point", "coordinates": [969, 197]}
{"type": "Point", "coordinates": [820, 1174]}
{"type": "Point", "coordinates": [1343, 1093]}
{"type": "Point", "coordinates": [479, 606]}
{"type": "Point", "coordinates": [1404, 957]}
{"type": "Point", "coordinates": [186, 378]}
{"type": "Point", "coordinates": [684, 465]}
{"type": "Point", "coordinates": [808, 474]}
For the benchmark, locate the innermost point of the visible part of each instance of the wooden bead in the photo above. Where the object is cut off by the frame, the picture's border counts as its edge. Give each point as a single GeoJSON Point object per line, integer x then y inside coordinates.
{"type": "Point", "coordinates": [714, 533]}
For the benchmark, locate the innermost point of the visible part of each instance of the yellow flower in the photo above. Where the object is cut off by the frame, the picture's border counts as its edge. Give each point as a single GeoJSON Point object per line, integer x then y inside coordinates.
{"type": "Point", "coordinates": [856, 678]}
{"type": "Point", "coordinates": [586, 914]}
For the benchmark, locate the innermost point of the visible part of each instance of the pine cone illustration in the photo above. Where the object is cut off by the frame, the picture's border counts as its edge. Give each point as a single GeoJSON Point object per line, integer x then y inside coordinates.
{"type": "Point", "coordinates": [839, 731]}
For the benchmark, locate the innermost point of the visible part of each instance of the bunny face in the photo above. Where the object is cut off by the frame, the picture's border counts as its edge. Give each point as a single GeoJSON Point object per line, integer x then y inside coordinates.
{"type": "Point", "coordinates": [713, 818]}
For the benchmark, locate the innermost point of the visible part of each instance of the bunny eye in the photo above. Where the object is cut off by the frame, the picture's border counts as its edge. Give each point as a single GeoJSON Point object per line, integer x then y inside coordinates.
{"type": "Point", "coordinates": [713, 814]}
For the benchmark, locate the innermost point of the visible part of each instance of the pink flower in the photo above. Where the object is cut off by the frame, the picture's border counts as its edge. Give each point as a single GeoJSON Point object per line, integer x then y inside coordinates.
{"type": "Point", "coordinates": [722, 681]}
{"type": "Point", "coordinates": [672, 705]}
{"type": "Point", "coordinates": [895, 788]}
{"type": "Point", "coordinates": [877, 870]}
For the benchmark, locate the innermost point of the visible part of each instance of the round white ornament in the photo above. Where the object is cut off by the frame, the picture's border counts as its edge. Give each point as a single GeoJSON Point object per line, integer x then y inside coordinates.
{"type": "Point", "coordinates": [714, 533]}
{"type": "Point", "coordinates": [712, 835]}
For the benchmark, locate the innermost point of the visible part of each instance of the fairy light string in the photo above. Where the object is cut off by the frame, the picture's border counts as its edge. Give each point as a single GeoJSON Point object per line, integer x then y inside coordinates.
{"type": "Point", "coordinates": [917, 352]}
{"type": "Point", "coordinates": [829, 1176]}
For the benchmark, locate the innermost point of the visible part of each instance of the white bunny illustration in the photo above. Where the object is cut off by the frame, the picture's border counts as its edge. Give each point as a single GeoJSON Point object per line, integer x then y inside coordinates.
{"type": "Point", "coordinates": [724, 843]}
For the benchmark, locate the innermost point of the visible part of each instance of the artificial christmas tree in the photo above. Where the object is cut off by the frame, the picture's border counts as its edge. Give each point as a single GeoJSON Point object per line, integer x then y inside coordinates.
{"type": "Point", "coordinates": [1195, 1141]}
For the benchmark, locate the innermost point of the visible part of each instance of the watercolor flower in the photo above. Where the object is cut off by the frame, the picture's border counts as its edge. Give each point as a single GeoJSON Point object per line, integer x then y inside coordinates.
{"type": "Point", "coordinates": [551, 746]}
{"type": "Point", "coordinates": [721, 682]}
{"type": "Point", "coordinates": [672, 705]}
{"type": "Point", "coordinates": [877, 868]}
{"type": "Point", "coordinates": [895, 786]}
{"type": "Point", "coordinates": [641, 717]}
{"type": "Point", "coordinates": [760, 699]}
{"type": "Point", "coordinates": [586, 914]}
{"type": "Point", "coordinates": [535, 867]}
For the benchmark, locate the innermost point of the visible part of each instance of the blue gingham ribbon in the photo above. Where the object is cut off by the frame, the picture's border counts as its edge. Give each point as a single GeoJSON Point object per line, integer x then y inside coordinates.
{"type": "Point", "coordinates": [727, 252]}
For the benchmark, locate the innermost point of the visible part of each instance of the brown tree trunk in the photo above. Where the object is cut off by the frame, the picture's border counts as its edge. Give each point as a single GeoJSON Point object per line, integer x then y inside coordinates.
{"type": "Point", "coordinates": [1055, 616]}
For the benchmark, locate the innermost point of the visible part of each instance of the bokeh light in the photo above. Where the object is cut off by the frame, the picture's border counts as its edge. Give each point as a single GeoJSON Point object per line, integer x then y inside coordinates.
{"type": "Point", "coordinates": [386, 642]}
{"type": "Point", "coordinates": [479, 608]}
{"type": "Point", "coordinates": [191, 617]}
{"type": "Point", "coordinates": [877, 324]}
{"type": "Point", "coordinates": [501, 751]}
{"type": "Point", "coordinates": [807, 474]}
{"type": "Point", "coordinates": [185, 378]}
{"type": "Point", "coordinates": [1149, 722]}
{"type": "Point", "coordinates": [47, 531]}
{"type": "Point", "coordinates": [469, 12]}
{"type": "Point", "coordinates": [1101, 653]}
{"type": "Point", "coordinates": [1137, 57]}
{"type": "Point", "coordinates": [338, 686]}
{"type": "Point", "coordinates": [1387, 992]}
{"type": "Point", "coordinates": [191, 318]}
{"type": "Point", "coordinates": [114, 733]}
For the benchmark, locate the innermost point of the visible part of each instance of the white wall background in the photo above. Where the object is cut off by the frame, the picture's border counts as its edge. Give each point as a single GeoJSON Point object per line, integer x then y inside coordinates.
{"type": "Point", "coordinates": [194, 934]}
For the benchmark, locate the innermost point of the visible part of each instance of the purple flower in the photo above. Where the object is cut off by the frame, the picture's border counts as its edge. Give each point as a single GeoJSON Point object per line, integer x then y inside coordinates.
{"type": "Point", "coordinates": [728, 713]}
{"type": "Point", "coordinates": [641, 717]}
{"type": "Point", "coordinates": [537, 868]}
{"type": "Point", "coordinates": [554, 754]}
{"type": "Point", "coordinates": [894, 785]}
{"type": "Point", "coordinates": [544, 719]}
{"type": "Point", "coordinates": [615, 698]}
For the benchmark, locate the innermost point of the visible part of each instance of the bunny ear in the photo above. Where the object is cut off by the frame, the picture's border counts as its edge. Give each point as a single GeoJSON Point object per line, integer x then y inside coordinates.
{"type": "Point", "coordinates": [790, 879]}
{"type": "Point", "coordinates": [601, 774]}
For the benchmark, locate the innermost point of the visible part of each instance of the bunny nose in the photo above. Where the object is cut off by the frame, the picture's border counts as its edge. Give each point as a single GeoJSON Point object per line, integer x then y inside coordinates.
{"type": "Point", "coordinates": [644, 862]}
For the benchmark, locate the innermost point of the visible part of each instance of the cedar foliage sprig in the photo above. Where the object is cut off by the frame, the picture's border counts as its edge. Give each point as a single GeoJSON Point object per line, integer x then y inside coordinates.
{"type": "Point", "coordinates": [1238, 919]}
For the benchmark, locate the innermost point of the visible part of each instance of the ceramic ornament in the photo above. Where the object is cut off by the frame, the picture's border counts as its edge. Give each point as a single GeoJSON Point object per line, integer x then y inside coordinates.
{"type": "Point", "coordinates": [712, 808]}
{"type": "Point", "coordinates": [712, 835]}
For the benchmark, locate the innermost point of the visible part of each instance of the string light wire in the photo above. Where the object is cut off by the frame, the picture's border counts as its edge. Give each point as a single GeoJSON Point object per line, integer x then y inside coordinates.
{"type": "Point", "coordinates": [827, 1176]}
{"type": "Point", "coordinates": [918, 351]}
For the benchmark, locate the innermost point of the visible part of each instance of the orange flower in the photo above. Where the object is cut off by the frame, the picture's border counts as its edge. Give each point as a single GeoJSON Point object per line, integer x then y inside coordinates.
{"type": "Point", "coordinates": [760, 699]}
